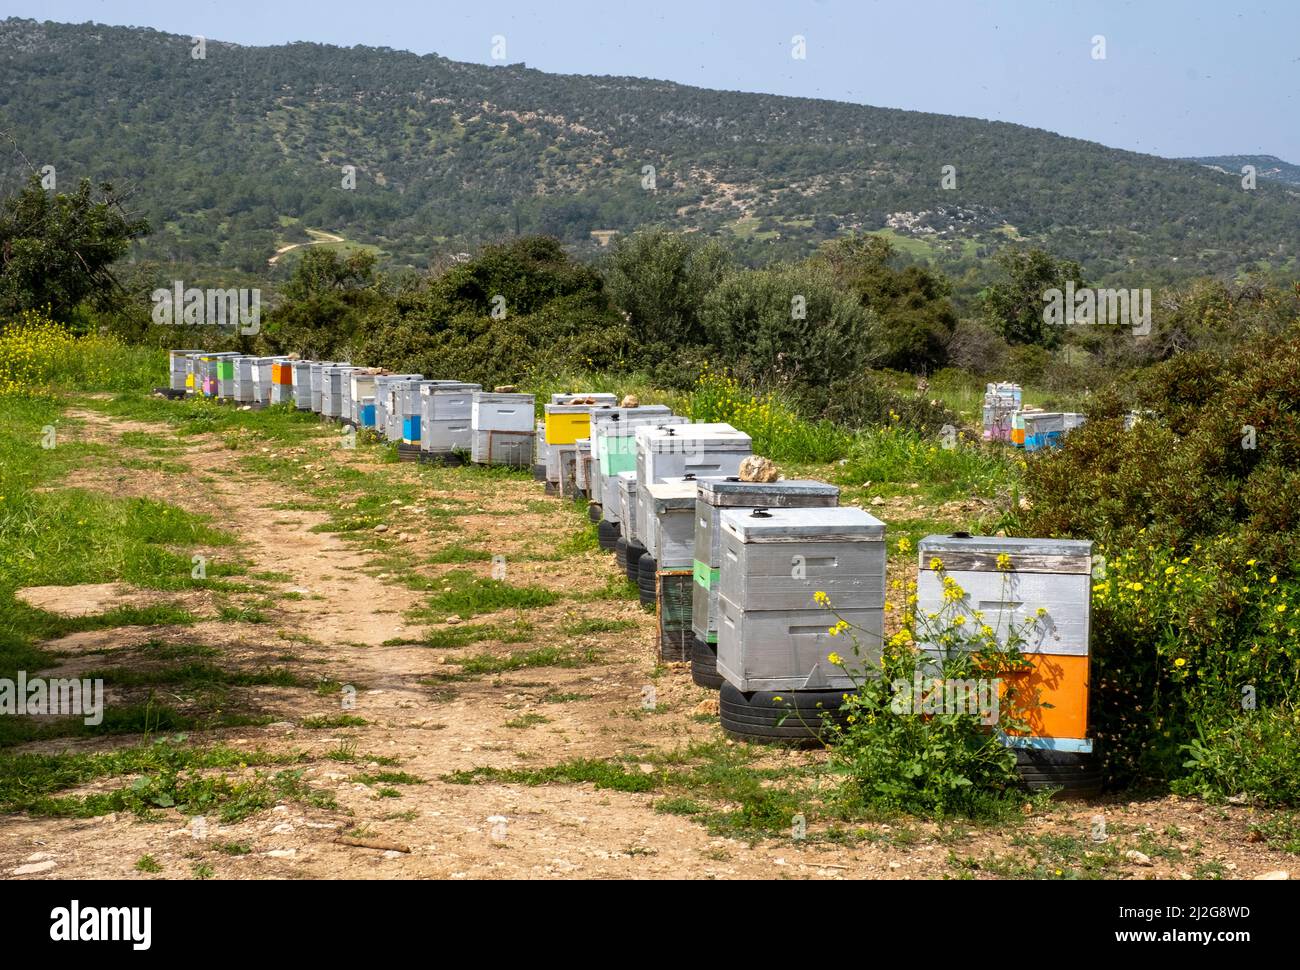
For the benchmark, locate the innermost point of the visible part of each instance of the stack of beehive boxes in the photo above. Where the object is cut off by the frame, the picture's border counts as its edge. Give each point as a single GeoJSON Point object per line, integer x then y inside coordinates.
{"type": "Point", "coordinates": [1008, 581]}
{"type": "Point", "coordinates": [446, 420]}
{"type": "Point", "coordinates": [730, 494]}
{"type": "Point", "coordinates": [502, 427]}
{"type": "Point", "coordinates": [773, 634]}
{"type": "Point", "coordinates": [1001, 401]}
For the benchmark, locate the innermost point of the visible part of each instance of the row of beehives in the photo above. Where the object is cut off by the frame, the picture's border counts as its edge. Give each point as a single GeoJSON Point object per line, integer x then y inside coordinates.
{"type": "Point", "coordinates": [1006, 419]}
{"type": "Point", "coordinates": [433, 419]}
{"type": "Point", "coordinates": [733, 567]}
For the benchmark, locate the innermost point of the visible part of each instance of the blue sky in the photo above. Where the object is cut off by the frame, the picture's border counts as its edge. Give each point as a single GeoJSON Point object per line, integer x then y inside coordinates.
{"type": "Point", "coordinates": [1179, 78]}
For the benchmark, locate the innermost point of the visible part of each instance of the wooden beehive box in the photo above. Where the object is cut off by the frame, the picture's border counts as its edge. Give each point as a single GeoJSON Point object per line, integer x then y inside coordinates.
{"type": "Point", "coordinates": [1054, 575]}
{"type": "Point", "coordinates": [717, 495]}
{"type": "Point", "coordinates": [772, 633]}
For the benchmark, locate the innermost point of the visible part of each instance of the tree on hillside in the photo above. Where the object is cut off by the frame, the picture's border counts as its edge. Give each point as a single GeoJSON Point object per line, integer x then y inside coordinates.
{"type": "Point", "coordinates": [1014, 306]}
{"type": "Point", "coordinates": [791, 324]}
{"type": "Point", "coordinates": [660, 280]}
{"type": "Point", "coordinates": [327, 303]}
{"type": "Point", "coordinates": [57, 250]}
{"type": "Point", "coordinates": [916, 315]}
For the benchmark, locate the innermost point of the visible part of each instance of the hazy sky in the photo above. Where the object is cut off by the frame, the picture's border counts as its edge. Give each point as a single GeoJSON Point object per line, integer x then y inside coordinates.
{"type": "Point", "coordinates": [1179, 78]}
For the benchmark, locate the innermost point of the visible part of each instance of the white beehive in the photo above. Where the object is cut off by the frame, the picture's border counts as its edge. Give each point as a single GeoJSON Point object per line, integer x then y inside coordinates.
{"type": "Point", "coordinates": [670, 526]}
{"type": "Point", "coordinates": [302, 384]}
{"type": "Point", "coordinates": [244, 374]}
{"type": "Point", "coordinates": [613, 446]}
{"type": "Point", "coordinates": [491, 411]}
{"type": "Point", "coordinates": [1052, 574]}
{"type": "Point", "coordinates": [446, 412]}
{"type": "Point", "coordinates": [333, 377]}
{"type": "Point", "coordinates": [718, 495]}
{"type": "Point", "coordinates": [317, 370]}
{"type": "Point", "coordinates": [676, 450]}
{"type": "Point", "coordinates": [772, 633]}
{"type": "Point", "coordinates": [626, 484]}
{"type": "Point", "coordinates": [178, 368]}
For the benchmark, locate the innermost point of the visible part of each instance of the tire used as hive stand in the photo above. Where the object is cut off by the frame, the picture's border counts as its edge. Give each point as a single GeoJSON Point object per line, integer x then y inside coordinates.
{"type": "Point", "coordinates": [1077, 775]}
{"type": "Point", "coordinates": [704, 664]}
{"type": "Point", "coordinates": [646, 570]}
{"type": "Point", "coordinates": [593, 511]}
{"type": "Point", "coordinates": [407, 452]}
{"type": "Point", "coordinates": [620, 554]}
{"type": "Point", "coordinates": [607, 534]}
{"type": "Point", "coordinates": [634, 553]}
{"type": "Point", "coordinates": [795, 720]}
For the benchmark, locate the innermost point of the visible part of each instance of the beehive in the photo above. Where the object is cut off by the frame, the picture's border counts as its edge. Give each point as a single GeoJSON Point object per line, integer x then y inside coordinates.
{"type": "Point", "coordinates": [1045, 429]}
{"type": "Point", "coordinates": [503, 428]}
{"type": "Point", "coordinates": [1052, 574]}
{"type": "Point", "coordinates": [179, 373]}
{"type": "Point", "coordinates": [302, 384]}
{"type": "Point", "coordinates": [772, 633]}
{"type": "Point", "coordinates": [316, 370]}
{"type": "Point", "coordinates": [446, 413]}
{"type": "Point", "coordinates": [613, 447]}
{"type": "Point", "coordinates": [333, 377]}
{"type": "Point", "coordinates": [361, 392]}
{"type": "Point", "coordinates": [1001, 401]}
{"type": "Point", "coordinates": [670, 526]}
{"type": "Point", "coordinates": [226, 376]}
{"type": "Point", "coordinates": [718, 495]}
{"type": "Point", "coordinates": [566, 423]}
{"type": "Point", "coordinates": [567, 463]}
{"type": "Point", "coordinates": [245, 372]}
{"type": "Point", "coordinates": [261, 379]}
{"type": "Point", "coordinates": [625, 483]}
{"type": "Point", "coordinates": [387, 425]}
{"type": "Point", "coordinates": [281, 381]}
{"type": "Point", "coordinates": [677, 450]}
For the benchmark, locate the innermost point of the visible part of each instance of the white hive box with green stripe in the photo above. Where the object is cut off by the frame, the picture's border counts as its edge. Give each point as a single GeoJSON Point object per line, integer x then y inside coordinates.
{"type": "Point", "coordinates": [613, 447]}
{"type": "Point", "coordinates": [773, 634]}
{"type": "Point", "coordinates": [719, 495]}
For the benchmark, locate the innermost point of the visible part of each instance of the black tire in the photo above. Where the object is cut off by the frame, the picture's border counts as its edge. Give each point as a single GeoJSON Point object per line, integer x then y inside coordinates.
{"type": "Point", "coordinates": [1076, 775]}
{"type": "Point", "coordinates": [594, 511]}
{"type": "Point", "coordinates": [620, 553]}
{"type": "Point", "coordinates": [539, 473]}
{"type": "Point", "coordinates": [552, 488]}
{"type": "Point", "coordinates": [607, 534]}
{"type": "Point", "coordinates": [704, 664]}
{"type": "Point", "coordinates": [633, 565]}
{"type": "Point", "coordinates": [645, 580]}
{"type": "Point", "coordinates": [758, 717]}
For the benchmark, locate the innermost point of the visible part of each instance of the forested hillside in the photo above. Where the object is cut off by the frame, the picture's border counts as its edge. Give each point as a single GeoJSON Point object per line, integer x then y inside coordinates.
{"type": "Point", "coordinates": [236, 154]}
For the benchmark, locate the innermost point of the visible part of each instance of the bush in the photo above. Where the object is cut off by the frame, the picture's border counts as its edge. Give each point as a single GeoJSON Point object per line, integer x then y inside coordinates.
{"type": "Point", "coordinates": [902, 751]}
{"type": "Point", "coordinates": [37, 353]}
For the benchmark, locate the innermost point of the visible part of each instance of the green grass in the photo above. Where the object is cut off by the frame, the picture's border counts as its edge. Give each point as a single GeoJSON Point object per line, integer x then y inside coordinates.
{"type": "Point", "coordinates": [487, 663]}
{"type": "Point", "coordinates": [327, 721]}
{"type": "Point", "coordinates": [147, 863]}
{"type": "Point", "coordinates": [467, 595]}
{"type": "Point", "coordinates": [464, 634]}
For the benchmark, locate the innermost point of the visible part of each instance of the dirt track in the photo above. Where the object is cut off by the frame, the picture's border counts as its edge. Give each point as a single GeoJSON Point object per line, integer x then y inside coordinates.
{"type": "Point", "coordinates": [331, 619]}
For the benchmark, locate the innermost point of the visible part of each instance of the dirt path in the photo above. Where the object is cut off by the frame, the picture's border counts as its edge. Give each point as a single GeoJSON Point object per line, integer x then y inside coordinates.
{"type": "Point", "coordinates": [335, 611]}
{"type": "Point", "coordinates": [321, 236]}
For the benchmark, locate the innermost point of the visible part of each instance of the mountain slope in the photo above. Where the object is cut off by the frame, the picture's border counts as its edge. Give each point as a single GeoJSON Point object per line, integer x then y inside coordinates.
{"type": "Point", "coordinates": [1266, 166]}
{"type": "Point", "coordinates": [236, 154]}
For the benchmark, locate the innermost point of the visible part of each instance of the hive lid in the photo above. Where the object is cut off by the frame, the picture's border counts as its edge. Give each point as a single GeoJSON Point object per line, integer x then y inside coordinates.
{"type": "Point", "coordinates": [726, 492]}
{"type": "Point", "coordinates": [690, 437]}
{"type": "Point", "coordinates": [502, 398]}
{"type": "Point", "coordinates": [601, 397]}
{"type": "Point", "coordinates": [835, 523]}
{"type": "Point", "coordinates": [1027, 555]}
{"type": "Point", "coordinates": [429, 388]}
{"type": "Point", "coordinates": [615, 415]}
{"type": "Point", "coordinates": [676, 494]}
